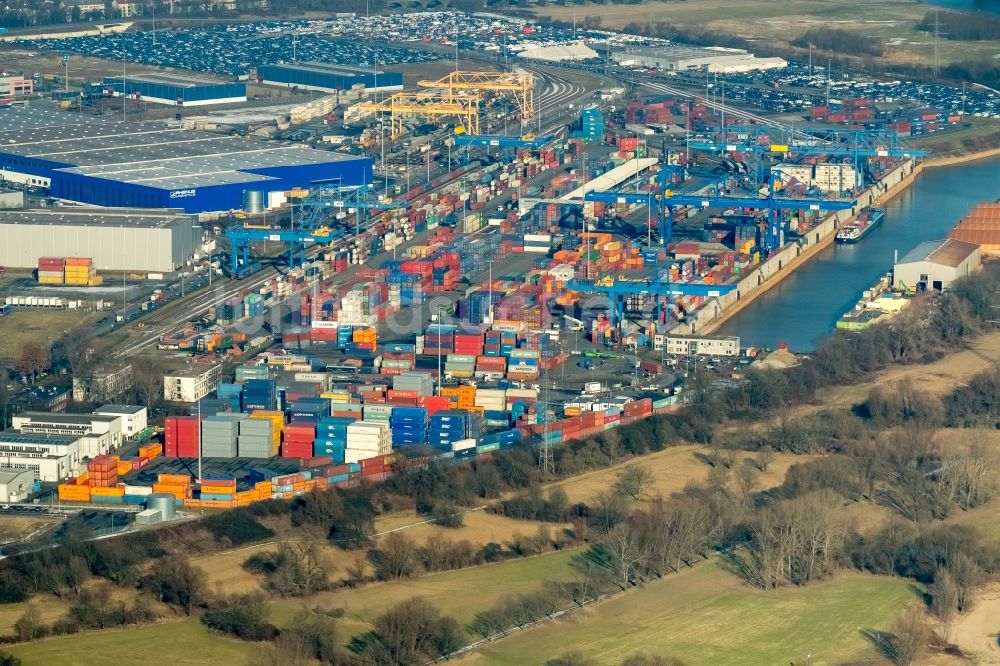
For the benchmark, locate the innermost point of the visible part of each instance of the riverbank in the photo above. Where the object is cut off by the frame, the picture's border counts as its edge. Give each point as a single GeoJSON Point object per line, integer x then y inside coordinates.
{"type": "Point", "coordinates": [960, 159]}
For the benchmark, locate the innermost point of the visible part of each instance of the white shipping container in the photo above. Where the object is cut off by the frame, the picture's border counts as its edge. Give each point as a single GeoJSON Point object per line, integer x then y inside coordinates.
{"type": "Point", "coordinates": [463, 445]}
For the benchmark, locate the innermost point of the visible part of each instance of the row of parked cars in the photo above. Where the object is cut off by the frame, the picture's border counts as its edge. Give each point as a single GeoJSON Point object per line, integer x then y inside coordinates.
{"type": "Point", "coordinates": [779, 91]}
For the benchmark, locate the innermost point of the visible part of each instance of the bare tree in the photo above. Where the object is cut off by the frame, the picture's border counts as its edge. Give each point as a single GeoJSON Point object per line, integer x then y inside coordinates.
{"type": "Point", "coordinates": [396, 557]}
{"type": "Point", "coordinates": [793, 541]}
{"type": "Point", "coordinates": [33, 361]}
{"type": "Point", "coordinates": [633, 481]}
{"type": "Point", "coordinates": [147, 381]}
{"type": "Point", "coordinates": [967, 575]}
{"type": "Point", "coordinates": [968, 475]}
{"type": "Point", "coordinates": [944, 595]}
{"type": "Point", "coordinates": [764, 458]}
{"type": "Point", "coordinates": [622, 552]}
{"type": "Point", "coordinates": [30, 626]}
{"type": "Point", "coordinates": [746, 482]}
{"type": "Point", "coordinates": [908, 639]}
{"type": "Point", "coordinates": [613, 444]}
{"type": "Point", "coordinates": [77, 346]}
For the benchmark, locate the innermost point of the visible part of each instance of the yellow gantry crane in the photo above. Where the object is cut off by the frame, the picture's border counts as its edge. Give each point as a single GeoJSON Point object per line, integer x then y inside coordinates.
{"type": "Point", "coordinates": [439, 103]}
{"type": "Point", "coordinates": [520, 85]}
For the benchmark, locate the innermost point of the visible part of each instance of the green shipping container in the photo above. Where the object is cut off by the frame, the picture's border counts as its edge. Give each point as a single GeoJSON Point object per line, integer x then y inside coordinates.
{"type": "Point", "coordinates": [486, 448]}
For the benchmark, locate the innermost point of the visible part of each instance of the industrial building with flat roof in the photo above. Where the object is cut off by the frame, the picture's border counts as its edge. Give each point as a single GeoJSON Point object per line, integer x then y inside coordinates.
{"type": "Point", "coordinates": [49, 457]}
{"type": "Point", "coordinates": [689, 58]}
{"type": "Point", "coordinates": [145, 165]}
{"type": "Point", "coordinates": [176, 90]}
{"type": "Point", "coordinates": [116, 239]}
{"type": "Point", "coordinates": [327, 78]}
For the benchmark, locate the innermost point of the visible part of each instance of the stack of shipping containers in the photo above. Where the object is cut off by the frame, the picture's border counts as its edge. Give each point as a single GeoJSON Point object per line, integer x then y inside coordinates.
{"type": "Point", "coordinates": [180, 437]}
{"type": "Point", "coordinates": [219, 436]}
{"type": "Point", "coordinates": [256, 439]}
{"type": "Point", "coordinates": [408, 426]}
{"type": "Point", "coordinates": [51, 270]}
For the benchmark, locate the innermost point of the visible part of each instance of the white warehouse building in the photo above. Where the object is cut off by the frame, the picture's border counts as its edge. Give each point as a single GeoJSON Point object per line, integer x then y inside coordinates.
{"type": "Point", "coordinates": [698, 345]}
{"type": "Point", "coordinates": [936, 264]}
{"type": "Point", "coordinates": [95, 434]}
{"type": "Point", "coordinates": [116, 239]}
{"type": "Point", "coordinates": [690, 58]}
{"type": "Point", "coordinates": [16, 484]}
{"type": "Point", "coordinates": [50, 458]}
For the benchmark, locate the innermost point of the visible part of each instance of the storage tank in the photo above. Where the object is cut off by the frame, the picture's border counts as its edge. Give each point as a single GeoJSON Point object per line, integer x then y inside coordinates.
{"type": "Point", "coordinates": [253, 201]}
{"type": "Point", "coordinates": [165, 503]}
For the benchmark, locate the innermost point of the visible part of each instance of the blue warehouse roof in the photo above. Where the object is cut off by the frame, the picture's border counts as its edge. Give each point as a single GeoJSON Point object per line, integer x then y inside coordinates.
{"type": "Point", "coordinates": [115, 163]}
{"type": "Point", "coordinates": [174, 87]}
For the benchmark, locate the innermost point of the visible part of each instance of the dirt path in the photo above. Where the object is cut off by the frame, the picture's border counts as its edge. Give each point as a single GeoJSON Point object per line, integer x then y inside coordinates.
{"type": "Point", "coordinates": [976, 633]}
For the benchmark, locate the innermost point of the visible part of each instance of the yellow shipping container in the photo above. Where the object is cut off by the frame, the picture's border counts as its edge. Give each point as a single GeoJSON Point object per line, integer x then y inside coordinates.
{"type": "Point", "coordinates": [175, 479]}
{"type": "Point", "coordinates": [50, 280]}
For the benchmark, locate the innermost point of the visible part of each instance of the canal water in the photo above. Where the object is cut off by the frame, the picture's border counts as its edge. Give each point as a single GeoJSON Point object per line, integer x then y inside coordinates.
{"type": "Point", "coordinates": [806, 305]}
{"type": "Point", "coordinates": [989, 6]}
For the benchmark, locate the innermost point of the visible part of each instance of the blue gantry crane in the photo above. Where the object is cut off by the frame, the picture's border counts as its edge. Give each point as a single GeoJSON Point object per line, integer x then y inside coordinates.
{"type": "Point", "coordinates": [665, 200]}
{"type": "Point", "coordinates": [617, 288]}
{"type": "Point", "coordinates": [859, 145]}
{"type": "Point", "coordinates": [326, 197]}
{"type": "Point", "coordinates": [309, 225]}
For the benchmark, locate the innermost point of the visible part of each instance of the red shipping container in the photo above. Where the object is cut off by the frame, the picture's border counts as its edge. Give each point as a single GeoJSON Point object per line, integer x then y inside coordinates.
{"type": "Point", "coordinates": [319, 461]}
{"type": "Point", "coordinates": [374, 461]}
{"type": "Point", "coordinates": [335, 470]}
{"type": "Point", "coordinates": [296, 450]}
{"type": "Point", "coordinates": [393, 394]}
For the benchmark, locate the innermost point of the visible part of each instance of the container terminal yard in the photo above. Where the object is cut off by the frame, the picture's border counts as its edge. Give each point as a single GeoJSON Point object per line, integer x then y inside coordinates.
{"type": "Point", "coordinates": [358, 272]}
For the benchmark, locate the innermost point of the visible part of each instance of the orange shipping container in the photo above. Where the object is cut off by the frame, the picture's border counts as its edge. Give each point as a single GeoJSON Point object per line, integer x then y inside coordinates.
{"type": "Point", "coordinates": [175, 479]}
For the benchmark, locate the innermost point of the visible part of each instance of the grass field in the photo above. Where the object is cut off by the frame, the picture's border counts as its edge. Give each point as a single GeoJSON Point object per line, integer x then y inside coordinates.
{"type": "Point", "coordinates": [893, 23]}
{"type": "Point", "coordinates": [224, 569]}
{"type": "Point", "coordinates": [706, 616]}
{"type": "Point", "coordinates": [950, 143]}
{"type": "Point", "coordinates": [13, 526]}
{"type": "Point", "coordinates": [460, 594]}
{"type": "Point", "coordinates": [187, 642]}
{"type": "Point", "coordinates": [42, 326]}
{"type": "Point", "coordinates": [672, 469]}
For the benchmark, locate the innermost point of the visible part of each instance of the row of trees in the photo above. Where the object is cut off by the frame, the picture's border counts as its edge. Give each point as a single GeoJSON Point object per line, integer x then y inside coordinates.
{"type": "Point", "coordinates": [962, 26]}
{"type": "Point", "coordinates": [839, 41]}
